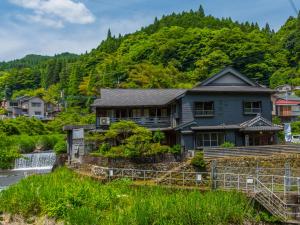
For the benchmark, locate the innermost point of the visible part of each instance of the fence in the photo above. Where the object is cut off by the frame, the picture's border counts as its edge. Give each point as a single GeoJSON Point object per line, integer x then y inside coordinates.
{"type": "Point", "coordinates": [245, 182]}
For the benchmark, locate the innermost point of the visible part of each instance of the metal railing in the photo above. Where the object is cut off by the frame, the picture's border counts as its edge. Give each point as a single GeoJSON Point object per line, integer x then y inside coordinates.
{"type": "Point", "coordinates": [269, 190]}
{"type": "Point", "coordinates": [252, 110]}
{"type": "Point", "coordinates": [144, 121]}
{"type": "Point", "coordinates": [199, 112]}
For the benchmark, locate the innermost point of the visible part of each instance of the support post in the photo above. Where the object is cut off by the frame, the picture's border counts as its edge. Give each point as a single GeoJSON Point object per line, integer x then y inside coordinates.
{"type": "Point", "coordinates": [287, 176]}
{"type": "Point", "coordinates": [213, 175]}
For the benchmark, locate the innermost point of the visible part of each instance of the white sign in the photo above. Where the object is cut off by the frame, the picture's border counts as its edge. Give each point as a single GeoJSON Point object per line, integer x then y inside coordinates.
{"type": "Point", "coordinates": [78, 133]}
{"type": "Point", "coordinates": [111, 173]}
{"type": "Point", "coordinates": [287, 132]}
{"type": "Point", "coordinates": [250, 181]}
{"type": "Point", "coordinates": [198, 177]}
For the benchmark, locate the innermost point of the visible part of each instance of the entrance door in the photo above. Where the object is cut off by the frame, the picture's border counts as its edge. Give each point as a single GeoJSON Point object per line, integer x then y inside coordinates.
{"type": "Point", "coordinates": [260, 139]}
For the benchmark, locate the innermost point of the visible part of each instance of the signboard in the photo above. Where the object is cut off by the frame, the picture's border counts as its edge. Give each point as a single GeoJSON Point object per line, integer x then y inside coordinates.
{"type": "Point", "coordinates": [78, 133]}
{"type": "Point", "coordinates": [198, 177]}
{"type": "Point", "coordinates": [250, 181]}
{"type": "Point", "coordinates": [287, 132]}
{"type": "Point", "coordinates": [111, 173]}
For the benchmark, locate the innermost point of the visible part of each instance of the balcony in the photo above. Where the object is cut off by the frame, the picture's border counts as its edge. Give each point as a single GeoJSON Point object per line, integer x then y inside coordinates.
{"type": "Point", "coordinates": [149, 122]}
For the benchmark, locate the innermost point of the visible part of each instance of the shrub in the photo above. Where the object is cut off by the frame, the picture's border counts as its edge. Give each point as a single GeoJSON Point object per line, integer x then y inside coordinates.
{"type": "Point", "coordinates": [158, 136]}
{"type": "Point", "coordinates": [176, 149]}
{"type": "Point", "coordinates": [60, 147]}
{"type": "Point", "coordinates": [198, 160]}
{"type": "Point", "coordinates": [104, 148]}
{"type": "Point", "coordinates": [26, 144]}
{"type": "Point", "coordinates": [47, 142]}
{"type": "Point", "coordinates": [227, 144]}
{"type": "Point", "coordinates": [8, 152]}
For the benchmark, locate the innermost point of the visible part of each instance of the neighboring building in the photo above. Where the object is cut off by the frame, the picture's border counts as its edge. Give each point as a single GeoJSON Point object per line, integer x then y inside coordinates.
{"type": "Point", "coordinates": [226, 107]}
{"type": "Point", "coordinates": [287, 107]}
{"type": "Point", "coordinates": [29, 106]}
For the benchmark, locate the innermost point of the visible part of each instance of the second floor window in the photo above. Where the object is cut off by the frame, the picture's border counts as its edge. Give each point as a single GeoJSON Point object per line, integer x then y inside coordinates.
{"type": "Point", "coordinates": [36, 104]}
{"type": "Point", "coordinates": [204, 109]}
{"type": "Point", "coordinates": [252, 107]}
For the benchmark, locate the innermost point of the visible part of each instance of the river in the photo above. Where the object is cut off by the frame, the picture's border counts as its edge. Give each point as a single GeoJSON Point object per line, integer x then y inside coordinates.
{"type": "Point", "coordinates": [35, 163]}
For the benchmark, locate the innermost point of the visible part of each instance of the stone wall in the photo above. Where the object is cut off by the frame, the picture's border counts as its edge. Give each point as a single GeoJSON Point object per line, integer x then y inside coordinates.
{"type": "Point", "coordinates": [158, 162]}
{"type": "Point", "coordinates": [274, 164]}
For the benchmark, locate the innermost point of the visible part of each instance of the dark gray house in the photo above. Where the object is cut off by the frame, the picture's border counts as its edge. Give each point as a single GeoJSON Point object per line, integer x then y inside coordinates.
{"type": "Point", "coordinates": [226, 107]}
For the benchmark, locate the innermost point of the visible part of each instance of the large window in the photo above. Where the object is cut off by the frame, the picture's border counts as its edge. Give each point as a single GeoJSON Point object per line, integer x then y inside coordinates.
{"type": "Point", "coordinates": [252, 107]}
{"type": "Point", "coordinates": [210, 139]}
{"type": "Point", "coordinates": [204, 109]}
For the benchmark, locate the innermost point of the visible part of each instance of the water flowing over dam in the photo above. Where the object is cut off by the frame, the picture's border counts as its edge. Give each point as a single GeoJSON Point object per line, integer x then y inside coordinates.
{"type": "Point", "coordinates": [28, 164]}
{"type": "Point", "coordinates": [36, 161]}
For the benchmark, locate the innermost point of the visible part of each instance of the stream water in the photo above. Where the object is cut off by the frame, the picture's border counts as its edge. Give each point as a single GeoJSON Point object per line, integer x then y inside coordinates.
{"type": "Point", "coordinates": [35, 163]}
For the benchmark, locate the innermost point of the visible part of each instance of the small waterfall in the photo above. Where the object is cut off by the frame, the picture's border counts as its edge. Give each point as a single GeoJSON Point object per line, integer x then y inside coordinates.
{"type": "Point", "coordinates": [36, 161]}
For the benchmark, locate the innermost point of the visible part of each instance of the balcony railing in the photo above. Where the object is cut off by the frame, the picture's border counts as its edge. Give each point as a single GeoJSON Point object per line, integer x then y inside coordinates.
{"type": "Point", "coordinates": [201, 113]}
{"type": "Point", "coordinates": [252, 110]}
{"type": "Point", "coordinates": [150, 122]}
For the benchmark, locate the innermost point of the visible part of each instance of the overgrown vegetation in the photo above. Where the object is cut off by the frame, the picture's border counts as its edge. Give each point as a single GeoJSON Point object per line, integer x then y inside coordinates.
{"type": "Point", "coordinates": [198, 161]}
{"type": "Point", "coordinates": [79, 201]}
{"type": "Point", "coordinates": [227, 144]}
{"type": "Point", "coordinates": [127, 139]}
{"type": "Point", "coordinates": [12, 146]}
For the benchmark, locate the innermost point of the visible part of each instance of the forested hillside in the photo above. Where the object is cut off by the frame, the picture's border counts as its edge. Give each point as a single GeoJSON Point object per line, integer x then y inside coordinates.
{"type": "Point", "coordinates": [175, 51]}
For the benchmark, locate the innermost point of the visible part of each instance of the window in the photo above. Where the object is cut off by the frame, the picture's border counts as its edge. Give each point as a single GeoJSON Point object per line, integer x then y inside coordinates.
{"type": "Point", "coordinates": [38, 113]}
{"type": "Point", "coordinates": [136, 113]}
{"type": "Point", "coordinates": [162, 112]}
{"type": "Point", "coordinates": [204, 108]}
{"type": "Point", "coordinates": [252, 107]}
{"type": "Point", "coordinates": [36, 104]}
{"type": "Point", "coordinates": [211, 139]}
{"type": "Point", "coordinates": [13, 104]}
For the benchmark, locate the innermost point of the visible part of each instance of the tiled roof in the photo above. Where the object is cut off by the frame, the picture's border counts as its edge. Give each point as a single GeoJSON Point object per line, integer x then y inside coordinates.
{"type": "Point", "coordinates": [137, 97]}
{"type": "Point", "coordinates": [238, 89]}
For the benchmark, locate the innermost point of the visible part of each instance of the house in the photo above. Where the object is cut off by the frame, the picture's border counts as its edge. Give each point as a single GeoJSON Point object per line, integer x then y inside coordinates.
{"type": "Point", "coordinates": [226, 107]}
{"type": "Point", "coordinates": [29, 106]}
{"type": "Point", "coordinates": [287, 107]}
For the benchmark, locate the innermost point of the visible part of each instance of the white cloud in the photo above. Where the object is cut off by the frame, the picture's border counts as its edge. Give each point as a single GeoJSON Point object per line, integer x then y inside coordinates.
{"type": "Point", "coordinates": [55, 13]}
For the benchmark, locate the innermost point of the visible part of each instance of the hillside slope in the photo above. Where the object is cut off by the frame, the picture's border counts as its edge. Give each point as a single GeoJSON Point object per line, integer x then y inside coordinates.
{"type": "Point", "coordinates": [175, 51]}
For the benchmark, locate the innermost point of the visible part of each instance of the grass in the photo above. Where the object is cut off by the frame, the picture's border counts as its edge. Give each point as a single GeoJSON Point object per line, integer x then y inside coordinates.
{"type": "Point", "coordinates": [79, 200]}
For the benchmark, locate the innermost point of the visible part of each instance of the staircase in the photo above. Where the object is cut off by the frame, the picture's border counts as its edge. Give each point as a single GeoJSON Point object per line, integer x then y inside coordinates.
{"type": "Point", "coordinates": [288, 213]}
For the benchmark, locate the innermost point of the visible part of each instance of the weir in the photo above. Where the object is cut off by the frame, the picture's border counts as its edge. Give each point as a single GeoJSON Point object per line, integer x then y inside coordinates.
{"type": "Point", "coordinates": [35, 161]}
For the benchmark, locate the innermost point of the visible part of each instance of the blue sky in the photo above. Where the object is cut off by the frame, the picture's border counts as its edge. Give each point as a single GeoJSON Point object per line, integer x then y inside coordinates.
{"type": "Point", "coordinates": [53, 26]}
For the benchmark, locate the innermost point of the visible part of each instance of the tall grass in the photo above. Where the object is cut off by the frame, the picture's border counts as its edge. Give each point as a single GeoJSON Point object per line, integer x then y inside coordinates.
{"type": "Point", "coordinates": [82, 201]}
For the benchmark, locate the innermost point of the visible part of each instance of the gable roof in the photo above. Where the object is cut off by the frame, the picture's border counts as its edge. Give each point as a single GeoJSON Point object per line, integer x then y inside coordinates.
{"type": "Point", "coordinates": [238, 78]}
{"type": "Point", "coordinates": [137, 97]}
{"type": "Point", "coordinates": [259, 123]}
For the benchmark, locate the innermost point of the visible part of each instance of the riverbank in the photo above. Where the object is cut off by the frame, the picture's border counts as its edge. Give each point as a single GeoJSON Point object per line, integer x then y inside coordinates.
{"type": "Point", "coordinates": [66, 196]}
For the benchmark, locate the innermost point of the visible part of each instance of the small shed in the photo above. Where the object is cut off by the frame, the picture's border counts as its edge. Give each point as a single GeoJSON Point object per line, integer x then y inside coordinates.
{"type": "Point", "coordinates": [75, 139]}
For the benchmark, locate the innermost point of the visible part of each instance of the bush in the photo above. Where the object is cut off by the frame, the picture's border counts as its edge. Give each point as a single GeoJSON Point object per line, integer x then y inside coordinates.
{"type": "Point", "coordinates": [227, 144]}
{"type": "Point", "coordinates": [176, 149]}
{"type": "Point", "coordinates": [47, 142]}
{"type": "Point", "coordinates": [198, 160]}
{"type": "Point", "coordinates": [158, 136]}
{"type": "Point", "coordinates": [26, 144]}
{"type": "Point", "coordinates": [60, 147]}
{"type": "Point", "coordinates": [8, 152]}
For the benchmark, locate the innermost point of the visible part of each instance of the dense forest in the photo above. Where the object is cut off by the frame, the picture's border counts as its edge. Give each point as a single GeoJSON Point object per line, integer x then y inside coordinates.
{"type": "Point", "coordinates": [177, 50]}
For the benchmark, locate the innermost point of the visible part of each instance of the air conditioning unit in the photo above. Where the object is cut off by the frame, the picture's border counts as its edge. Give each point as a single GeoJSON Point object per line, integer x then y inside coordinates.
{"type": "Point", "coordinates": [104, 121]}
